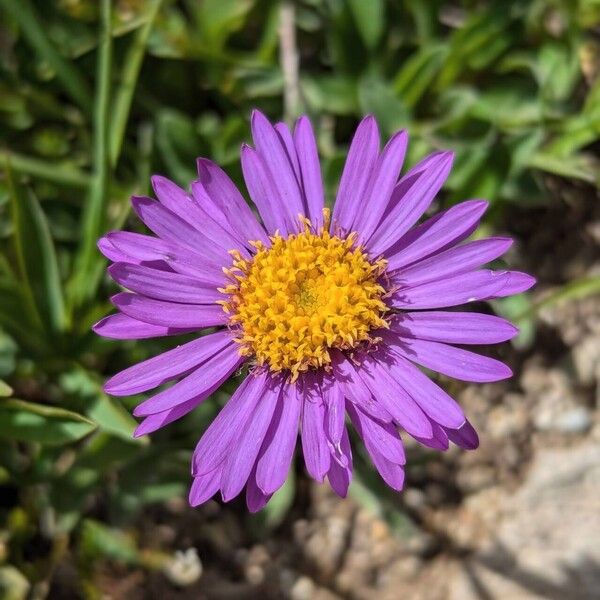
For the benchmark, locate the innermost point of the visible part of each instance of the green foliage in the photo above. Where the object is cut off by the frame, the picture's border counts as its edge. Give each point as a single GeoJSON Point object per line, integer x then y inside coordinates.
{"type": "Point", "coordinates": [28, 422]}
{"type": "Point", "coordinates": [97, 540]}
{"type": "Point", "coordinates": [96, 96]}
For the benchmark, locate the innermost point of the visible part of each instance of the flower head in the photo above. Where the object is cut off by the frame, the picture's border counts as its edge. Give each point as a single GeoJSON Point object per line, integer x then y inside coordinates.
{"type": "Point", "coordinates": [332, 313]}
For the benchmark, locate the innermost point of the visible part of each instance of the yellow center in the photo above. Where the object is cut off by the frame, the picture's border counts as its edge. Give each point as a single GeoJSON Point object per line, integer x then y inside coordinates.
{"type": "Point", "coordinates": [306, 294]}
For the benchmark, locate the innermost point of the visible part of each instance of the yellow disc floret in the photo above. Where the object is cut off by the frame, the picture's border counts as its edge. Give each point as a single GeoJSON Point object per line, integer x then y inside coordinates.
{"type": "Point", "coordinates": [307, 293]}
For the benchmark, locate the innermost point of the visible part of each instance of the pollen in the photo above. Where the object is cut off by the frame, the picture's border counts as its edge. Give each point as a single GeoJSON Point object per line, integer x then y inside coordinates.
{"type": "Point", "coordinates": [292, 302]}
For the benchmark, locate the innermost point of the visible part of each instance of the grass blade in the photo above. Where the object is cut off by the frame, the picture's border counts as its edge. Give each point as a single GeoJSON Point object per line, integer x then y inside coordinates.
{"type": "Point", "coordinates": [55, 172]}
{"type": "Point", "coordinates": [129, 77]}
{"type": "Point", "coordinates": [36, 257]}
{"type": "Point", "coordinates": [29, 422]}
{"type": "Point", "coordinates": [94, 213]}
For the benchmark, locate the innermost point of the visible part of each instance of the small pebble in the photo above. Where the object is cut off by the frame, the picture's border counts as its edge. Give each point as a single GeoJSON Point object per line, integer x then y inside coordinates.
{"type": "Point", "coordinates": [303, 589]}
{"type": "Point", "coordinates": [185, 568]}
{"type": "Point", "coordinates": [576, 420]}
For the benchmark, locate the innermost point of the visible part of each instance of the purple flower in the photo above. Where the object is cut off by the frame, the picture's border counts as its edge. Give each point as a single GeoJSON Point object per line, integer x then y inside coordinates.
{"type": "Point", "coordinates": [332, 314]}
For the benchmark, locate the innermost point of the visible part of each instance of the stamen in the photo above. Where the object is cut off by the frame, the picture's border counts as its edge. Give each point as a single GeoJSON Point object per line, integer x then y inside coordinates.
{"type": "Point", "coordinates": [304, 295]}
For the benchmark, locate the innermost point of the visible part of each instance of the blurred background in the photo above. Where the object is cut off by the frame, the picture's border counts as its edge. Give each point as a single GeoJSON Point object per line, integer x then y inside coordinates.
{"type": "Point", "coordinates": [96, 95]}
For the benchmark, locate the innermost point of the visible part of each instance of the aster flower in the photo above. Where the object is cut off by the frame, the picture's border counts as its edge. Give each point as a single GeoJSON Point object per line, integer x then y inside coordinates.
{"type": "Point", "coordinates": [332, 314]}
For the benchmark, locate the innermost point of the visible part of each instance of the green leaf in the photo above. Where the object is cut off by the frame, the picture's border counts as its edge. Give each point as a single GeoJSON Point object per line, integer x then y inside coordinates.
{"type": "Point", "coordinates": [110, 415]}
{"type": "Point", "coordinates": [557, 70]}
{"type": "Point", "coordinates": [5, 389]}
{"type": "Point", "coordinates": [418, 73]}
{"type": "Point", "coordinates": [177, 144]}
{"type": "Point", "coordinates": [30, 422]}
{"type": "Point", "coordinates": [510, 103]}
{"type": "Point", "coordinates": [369, 17]}
{"type": "Point", "coordinates": [332, 94]}
{"type": "Point", "coordinates": [577, 131]}
{"type": "Point", "coordinates": [113, 418]}
{"type": "Point", "coordinates": [37, 257]}
{"type": "Point", "coordinates": [99, 541]}
{"type": "Point", "coordinates": [377, 97]}
{"type": "Point", "coordinates": [20, 318]}
{"type": "Point", "coordinates": [218, 19]}
{"type": "Point", "coordinates": [484, 32]}
{"type": "Point", "coordinates": [575, 166]}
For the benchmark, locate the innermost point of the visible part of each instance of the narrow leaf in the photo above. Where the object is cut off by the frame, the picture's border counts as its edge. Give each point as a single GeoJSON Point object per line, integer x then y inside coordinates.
{"type": "Point", "coordinates": [29, 422]}
{"type": "Point", "coordinates": [37, 257]}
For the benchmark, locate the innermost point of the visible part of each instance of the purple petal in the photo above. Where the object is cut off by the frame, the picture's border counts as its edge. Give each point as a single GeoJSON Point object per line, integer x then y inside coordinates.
{"type": "Point", "coordinates": [460, 289]}
{"type": "Point", "coordinates": [223, 433]}
{"type": "Point", "coordinates": [270, 147]}
{"type": "Point", "coordinates": [168, 226]}
{"type": "Point", "coordinates": [159, 420]}
{"type": "Point", "coordinates": [162, 285]}
{"type": "Point", "coordinates": [453, 362]}
{"type": "Point", "coordinates": [439, 439]}
{"type": "Point", "coordinates": [227, 197]}
{"type": "Point", "coordinates": [310, 169]}
{"type": "Point", "coordinates": [108, 249]}
{"type": "Point", "coordinates": [215, 225]}
{"type": "Point", "coordinates": [274, 463]}
{"type": "Point", "coordinates": [333, 396]}
{"type": "Point", "coordinates": [211, 209]}
{"type": "Point", "coordinates": [179, 202]}
{"type": "Point", "coordinates": [136, 247]}
{"type": "Point", "coordinates": [392, 473]}
{"type": "Point", "coordinates": [212, 224]}
{"type": "Point", "coordinates": [515, 282]}
{"type": "Point", "coordinates": [412, 176]}
{"type": "Point", "coordinates": [355, 177]}
{"type": "Point", "coordinates": [384, 176]}
{"type": "Point", "coordinates": [382, 438]}
{"type": "Point", "coordinates": [191, 209]}
{"type": "Point", "coordinates": [170, 314]}
{"type": "Point", "coordinates": [162, 368]}
{"type": "Point", "coordinates": [453, 261]}
{"type": "Point", "coordinates": [462, 216]}
{"type": "Point", "coordinates": [355, 389]}
{"type": "Point", "coordinates": [256, 499]}
{"type": "Point", "coordinates": [140, 249]}
{"type": "Point", "coordinates": [462, 232]}
{"type": "Point", "coordinates": [240, 462]}
{"type": "Point", "coordinates": [204, 487]}
{"type": "Point", "coordinates": [263, 192]}
{"type": "Point", "coordinates": [314, 443]}
{"type": "Point", "coordinates": [466, 437]}
{"type": "Point", "coordinates": [453, 327]}
{"type": "Point", "coordinates": [198, 385]}
{"type": "Point", "coordinates": [410, 199]}
{"type": "Point", "coordinates": [123, 327]}
{"type": "Point", "coordinates": [186, 264]}
{"type": "Point", "coordinates": [340, 472]}
{"type": "Point", "coordinates": [394, 398]}
{"type": "Point", "coordinates": [436, 403]}
{"type": "Point", "coordinates": [285, 137]}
